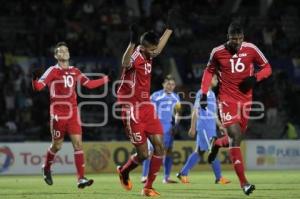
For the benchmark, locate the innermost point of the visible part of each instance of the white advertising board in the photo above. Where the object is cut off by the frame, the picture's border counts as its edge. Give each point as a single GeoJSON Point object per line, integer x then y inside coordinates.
{"type": "Point", "coordinates": [28, 158]}
{"type": "Point", "coordinates": [273, 154]}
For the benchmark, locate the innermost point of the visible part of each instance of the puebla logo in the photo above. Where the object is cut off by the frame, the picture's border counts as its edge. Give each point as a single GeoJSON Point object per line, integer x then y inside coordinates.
{"type": "Point", "coordinates": [98, 157]}
{"type": "Point", "coordinates": [6, 158]}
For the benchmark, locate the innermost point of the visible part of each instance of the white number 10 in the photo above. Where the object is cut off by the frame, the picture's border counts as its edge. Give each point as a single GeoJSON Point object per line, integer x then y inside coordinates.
{"type": "Point", "coordinates": [68, 80]}
{"type": "Point", "coordinates": [238, 66]}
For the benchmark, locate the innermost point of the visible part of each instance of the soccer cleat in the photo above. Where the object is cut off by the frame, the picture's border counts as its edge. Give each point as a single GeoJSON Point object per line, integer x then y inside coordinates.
{"type": "Point", "coordinates": [222, 180]}
{"type": "Point", "coordinates": [47, 176]}
{"type": "Point", "coordinates": [143, 179]}
{"type": "Point", "coordinates": [150, 192]}
{"type": "Point", "coordinates": [84, 182]}
{"type": "Point", "coordinates": [169, 181]}
{"type": "Point", "coordinates": [213, 151]}
{"type": "Point", "coordinates": [248, 189]}
{"type": "Point", "coordinates": [183, 179]}
{"type": "Point", "coordinates": [124, 180]}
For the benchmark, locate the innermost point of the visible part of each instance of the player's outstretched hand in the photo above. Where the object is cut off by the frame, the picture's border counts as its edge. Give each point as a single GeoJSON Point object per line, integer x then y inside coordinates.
{"type": "Point", "coordinates": [134, 35]}
{"type": "Point", "coordinates": [247, 84]}
{"type": "Point", "coordinates": [173, 18]}
{"type": "Point", "coordinates": [37, 73]}
{"type": "Point", "coordinates": [203, 101]}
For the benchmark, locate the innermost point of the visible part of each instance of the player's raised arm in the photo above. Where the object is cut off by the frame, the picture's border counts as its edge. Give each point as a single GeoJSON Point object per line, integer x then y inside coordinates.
{"type": "Point", "coordinates": [126, 62]}
{"type": "Point", "coordinates": [163, 41]}
{"type": "Point", "coordinates": [173, 16]}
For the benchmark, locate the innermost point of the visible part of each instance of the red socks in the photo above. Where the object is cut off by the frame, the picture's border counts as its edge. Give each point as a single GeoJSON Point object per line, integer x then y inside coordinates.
{"type": "Point", "coordinates": [49, 160]}
{"type": "Point", "coordinates": [223, 141]}
{"type": "Point", "coordinates": [79, 163]}
{"type": "Point", "coordinates": [237, 161]}
{"type": "Point", "coordinates": [156, 162]}
{"type": "Point", "coordinates": [131, 164]}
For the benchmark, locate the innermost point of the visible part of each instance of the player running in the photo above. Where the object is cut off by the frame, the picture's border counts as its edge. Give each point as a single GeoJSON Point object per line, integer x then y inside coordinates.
{"type": "Point", "coordinates": [139, 116]}
{"type": "Point", "coordinates": [233, 62]}
{"type": "Point", "coordinates": [204, 123]}
{"type": "Point", "coordinates": [61, 80]}
{"type": "Point", "coordinates": [167, 105]}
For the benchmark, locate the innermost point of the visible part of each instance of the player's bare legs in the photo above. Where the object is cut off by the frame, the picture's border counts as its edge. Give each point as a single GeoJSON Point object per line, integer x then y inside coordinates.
{"type": "Point", "coordinates": [53, 149]}
{"type": "Point", "coordinates": [155, 164]}
{"type": "Point", "coordinates": [136, 159]}
{"type": "Point", "coordinates": [79, 161]}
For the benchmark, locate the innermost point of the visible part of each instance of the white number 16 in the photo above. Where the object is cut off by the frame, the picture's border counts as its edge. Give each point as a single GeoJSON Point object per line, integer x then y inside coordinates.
{"type": "Point", "coordinates": [238, 66]}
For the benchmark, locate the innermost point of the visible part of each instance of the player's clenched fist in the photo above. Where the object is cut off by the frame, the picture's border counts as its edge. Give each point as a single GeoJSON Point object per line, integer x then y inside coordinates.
{"type": "Point", "coordinates": [247, 84]}
{"type": "Point", "coordinates": [134, 35]}
{"type": "Point", "coordinates": [37, 73]}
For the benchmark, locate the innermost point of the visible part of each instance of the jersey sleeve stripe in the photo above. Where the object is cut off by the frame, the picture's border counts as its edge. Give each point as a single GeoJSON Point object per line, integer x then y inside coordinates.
{"type": "Point", "coordinates": [257, 50]}
{"type": "Point", "coordinates": [213, 52]}
{"type": "Point", "coordinates": [42, 82]}
{"type": "Point", "coordinates": [45, 75]}
{"type": "Point", "coordinates": [84, 83]}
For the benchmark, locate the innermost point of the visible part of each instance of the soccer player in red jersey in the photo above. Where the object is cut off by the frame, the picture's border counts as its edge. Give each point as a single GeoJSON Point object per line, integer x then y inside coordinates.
{"type": "Point", "coordinates": [64, 118]}
{"type": "Point", "coordinates": [233, 62]}
{"type": "Point", "coordinates": [139, 115]}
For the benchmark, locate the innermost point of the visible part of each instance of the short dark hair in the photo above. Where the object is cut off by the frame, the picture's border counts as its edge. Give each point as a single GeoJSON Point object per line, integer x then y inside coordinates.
{"type": "Point", "coordinates": [169, 78]}
{"type": "Point", "coordinates": [59, 44]}
{"type": "Point", "coordinates": [235, 28]}
{"type": "Point", "coordinates": [149, 38]}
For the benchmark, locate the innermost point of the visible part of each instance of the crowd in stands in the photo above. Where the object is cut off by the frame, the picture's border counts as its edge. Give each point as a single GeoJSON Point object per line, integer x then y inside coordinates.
{"type": "Point", "coordinates": [96, 32]}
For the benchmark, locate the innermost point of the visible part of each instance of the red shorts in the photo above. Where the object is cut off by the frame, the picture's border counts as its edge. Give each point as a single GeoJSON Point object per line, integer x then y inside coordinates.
{"type": "Point", "coordinates": [61, 123]}
{"type": "Point", "coordinates": [140, 122]}
{"type": "Point", "coordinates": [232, 112]}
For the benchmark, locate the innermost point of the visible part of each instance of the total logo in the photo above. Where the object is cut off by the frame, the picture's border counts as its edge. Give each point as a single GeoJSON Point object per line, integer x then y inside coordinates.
{"type": "Point", "coordinates": [6, 158]}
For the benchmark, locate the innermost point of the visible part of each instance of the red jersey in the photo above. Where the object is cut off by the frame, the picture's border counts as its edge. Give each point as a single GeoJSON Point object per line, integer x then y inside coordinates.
{"type": "Point", "coordinates": [136, 79]}
{"type": "Point", "coordinates": [62, 83]}
{"type": "Point", "coordinates": [233, 69]}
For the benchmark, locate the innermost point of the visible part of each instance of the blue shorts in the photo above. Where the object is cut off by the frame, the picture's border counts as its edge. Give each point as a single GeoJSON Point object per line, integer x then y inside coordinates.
{"type": "Point", "coordinates": [168, 137]}
{"type": "Point", "coordinates": [203, 138]}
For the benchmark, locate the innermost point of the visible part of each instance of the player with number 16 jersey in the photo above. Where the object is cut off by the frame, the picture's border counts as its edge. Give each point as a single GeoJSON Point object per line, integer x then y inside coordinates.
{"type": "Point", "coordinates": [232, 69]}
{"type": "Point", "coordinates": [234, 63]}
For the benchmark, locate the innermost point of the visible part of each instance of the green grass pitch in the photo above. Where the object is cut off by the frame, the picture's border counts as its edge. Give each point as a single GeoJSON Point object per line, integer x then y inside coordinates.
{"type": "Point", "coordinates": [269, 185]}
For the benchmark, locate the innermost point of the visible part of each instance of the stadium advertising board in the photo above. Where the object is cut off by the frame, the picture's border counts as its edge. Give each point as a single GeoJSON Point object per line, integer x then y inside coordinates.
{"type": "Point", "coordinates": [28, 158]}
{"type": "Point", "coordinates": [281, 154]}
{"type": "Point", "coordinates": [104, 156]}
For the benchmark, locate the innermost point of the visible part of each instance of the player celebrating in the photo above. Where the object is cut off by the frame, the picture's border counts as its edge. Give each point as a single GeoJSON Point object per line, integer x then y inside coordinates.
{"type": "Point", "coordinates": [139, 116]}
{"type": "Point", "coordinates": [204, 122]}
{"type": "Point", "coordinates": [234, 64]}
{"type": "Point", "coordinates": [64, 118]}
{"type": "Point", "coordinates": [167, 105]}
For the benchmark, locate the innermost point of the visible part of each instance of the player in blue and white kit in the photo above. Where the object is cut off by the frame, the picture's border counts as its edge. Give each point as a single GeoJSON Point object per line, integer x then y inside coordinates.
{"type": "Point", "coordinates": [204, 122]}
{"type": "Point", "coordinates": [167, 105]}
